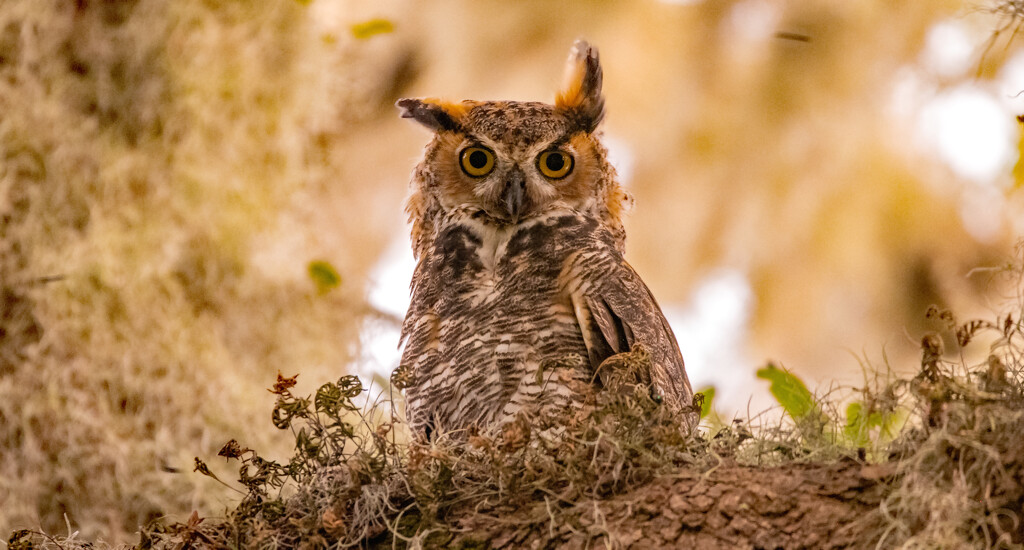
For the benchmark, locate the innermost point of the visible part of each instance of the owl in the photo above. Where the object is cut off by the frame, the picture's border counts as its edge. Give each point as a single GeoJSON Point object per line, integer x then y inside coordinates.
{"type": "Point", "coordinates": [521, 295]}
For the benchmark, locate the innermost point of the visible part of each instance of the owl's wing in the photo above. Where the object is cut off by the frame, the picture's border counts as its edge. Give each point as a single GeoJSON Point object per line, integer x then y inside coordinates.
{"type": "Point", "coordinates": [616, 312]}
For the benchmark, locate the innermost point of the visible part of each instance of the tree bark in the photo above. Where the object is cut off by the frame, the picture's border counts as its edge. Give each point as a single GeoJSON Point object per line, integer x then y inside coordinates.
{"type": "Point", "coordinates": [729, 507]}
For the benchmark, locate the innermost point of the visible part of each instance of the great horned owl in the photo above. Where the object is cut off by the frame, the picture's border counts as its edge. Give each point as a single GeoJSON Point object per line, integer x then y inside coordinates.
{"type": "Point", "coordinates": [517, 228]}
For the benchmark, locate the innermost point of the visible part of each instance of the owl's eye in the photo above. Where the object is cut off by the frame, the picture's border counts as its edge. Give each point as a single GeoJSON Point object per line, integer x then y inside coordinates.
{"type": "Point", "coordinates": [476, 161]}
{"type": "Point", "coordinates": [555, 164]}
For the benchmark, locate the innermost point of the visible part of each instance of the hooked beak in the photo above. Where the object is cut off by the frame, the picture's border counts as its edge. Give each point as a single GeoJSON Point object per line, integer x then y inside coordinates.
{"type": "Point", "coordinates": [515, 195]}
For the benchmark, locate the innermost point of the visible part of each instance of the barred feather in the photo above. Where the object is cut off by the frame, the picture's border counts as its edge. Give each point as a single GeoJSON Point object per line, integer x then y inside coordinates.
{"type": "Point", "coordinates": [502, 301]}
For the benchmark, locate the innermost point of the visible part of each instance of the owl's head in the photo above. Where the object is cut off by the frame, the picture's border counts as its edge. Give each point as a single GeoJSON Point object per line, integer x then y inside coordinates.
{"type": "Point", "coordinates": [505, 162]}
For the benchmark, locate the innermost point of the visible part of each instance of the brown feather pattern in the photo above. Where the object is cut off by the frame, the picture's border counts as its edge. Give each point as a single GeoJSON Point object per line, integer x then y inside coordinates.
{"type": "Point", "coordinates": [476, 334]}
{"type": "Point", "coordinates": [513, 282]}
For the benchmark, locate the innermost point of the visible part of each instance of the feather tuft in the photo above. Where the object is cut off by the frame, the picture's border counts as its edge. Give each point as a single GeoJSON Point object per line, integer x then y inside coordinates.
{"type": "Point", "coordinates": [436, 114]}
{"type": "Point", "coordinates": [580, 97]}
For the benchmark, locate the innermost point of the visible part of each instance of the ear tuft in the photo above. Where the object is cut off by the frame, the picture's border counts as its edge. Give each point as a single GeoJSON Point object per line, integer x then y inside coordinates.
{"type": "Point", "coordinates": [433, 113]}
{"type": "Point", "coordinates": [580, 97]}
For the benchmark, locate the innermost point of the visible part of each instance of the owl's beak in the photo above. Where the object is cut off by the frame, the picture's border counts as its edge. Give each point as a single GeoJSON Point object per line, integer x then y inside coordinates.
{"type": "Point", "coordinates": [515, 193]}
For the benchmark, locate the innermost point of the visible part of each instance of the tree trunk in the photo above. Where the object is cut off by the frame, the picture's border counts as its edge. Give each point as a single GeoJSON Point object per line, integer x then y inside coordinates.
{"type": "Point", "coordinates": [732, 506]}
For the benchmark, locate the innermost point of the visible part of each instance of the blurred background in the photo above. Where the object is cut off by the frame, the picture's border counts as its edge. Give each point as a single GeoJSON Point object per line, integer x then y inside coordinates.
{"type": "Point", "coordinates": [809, 177]}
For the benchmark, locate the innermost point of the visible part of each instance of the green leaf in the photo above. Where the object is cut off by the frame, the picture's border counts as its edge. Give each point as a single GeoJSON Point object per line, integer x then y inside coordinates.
{"type": "Point", "coordinates": [857, 428]}
{"type": "Point", "coordinates": [891, 423]}
{"type": "Point", "coordinates": [709, 397]}
{"type": "Point", "coordinates": [368, 29]}
{"type": "Point", "coordinates": [860, 427]}
{"type": "Point", "coordinates": [789, 391]}
{"type": "Point", "coordinates": [324, 276]}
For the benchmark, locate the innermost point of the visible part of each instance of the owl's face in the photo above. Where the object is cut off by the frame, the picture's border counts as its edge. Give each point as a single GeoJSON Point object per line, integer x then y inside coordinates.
{"type": "Point", "coordinates": [512, 160]}
{"type": "Point", "coordinates": [504, 162]}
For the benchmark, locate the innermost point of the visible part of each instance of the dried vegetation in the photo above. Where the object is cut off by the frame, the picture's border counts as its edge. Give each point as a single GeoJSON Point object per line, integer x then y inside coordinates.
{"type": "Point", "coordinates": [141, 197]}
{"type": "Point", "coordinates": [619, 472]}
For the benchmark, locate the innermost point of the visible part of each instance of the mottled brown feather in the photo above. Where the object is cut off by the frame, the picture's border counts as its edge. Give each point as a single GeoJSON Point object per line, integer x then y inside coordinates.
{"type": "Point", "coordinates": [503, 300]}
{"type": "Point", "coordinates": [630, 315]}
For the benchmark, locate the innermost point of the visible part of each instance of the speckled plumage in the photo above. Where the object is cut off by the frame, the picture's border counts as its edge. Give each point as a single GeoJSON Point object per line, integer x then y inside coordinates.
{"type": "Point", "coordinates": [521, 290]}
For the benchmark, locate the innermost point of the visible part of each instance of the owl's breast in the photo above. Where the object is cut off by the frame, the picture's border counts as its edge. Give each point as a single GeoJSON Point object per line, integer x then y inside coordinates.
{"type": "Point", "coordinates": [475, 248]}
{"type": "Point", "coordinates": [501, 311]}
{"type": "Point", "coordinates": [475, 265]}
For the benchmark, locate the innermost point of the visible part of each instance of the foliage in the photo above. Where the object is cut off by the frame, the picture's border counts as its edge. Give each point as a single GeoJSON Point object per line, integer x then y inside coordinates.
{"type": "Point", "coordinates": [169, 168]}
{"type": "Point", "coordinates": [870, 422]}
{"type": "Point", "coordinates": [324, 276]}
{"type": "Point", "coordinates": [371, 28]}
{"type": "Point", "coordinates": [865, 424]}
{"type": "Point", "coordinates": [707, 400]}
{"type": "Point", "coordinates": [153, 158]}
{"type": "Point", "coordinates": [949, 433]}
{"type": "Point", "coordinates": [790, 392]}
{"type": "Point", "coordinates": [350, 481]}
{"type": "Point", "coordinates": [946, 440]}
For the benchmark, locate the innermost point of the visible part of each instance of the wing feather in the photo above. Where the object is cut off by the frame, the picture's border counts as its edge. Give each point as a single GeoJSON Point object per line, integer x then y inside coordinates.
{"type": "Point", "coordinates": [625, 313]}
{"type": "Point", "coordinates": [610, 328]}
{"type": "Point", "coordinates": [597, 346]}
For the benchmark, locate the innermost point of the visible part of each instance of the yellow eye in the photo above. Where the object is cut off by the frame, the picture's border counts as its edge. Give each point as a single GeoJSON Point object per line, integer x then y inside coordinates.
{"type": "Point", "coordinates": [555, 164]}
{"type": "Point", "coordinates": [476, 161]}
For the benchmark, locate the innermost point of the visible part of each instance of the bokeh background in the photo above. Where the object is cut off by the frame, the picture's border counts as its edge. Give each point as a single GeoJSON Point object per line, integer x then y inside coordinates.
{"type": "Point", "coordinates": [809, 177]}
